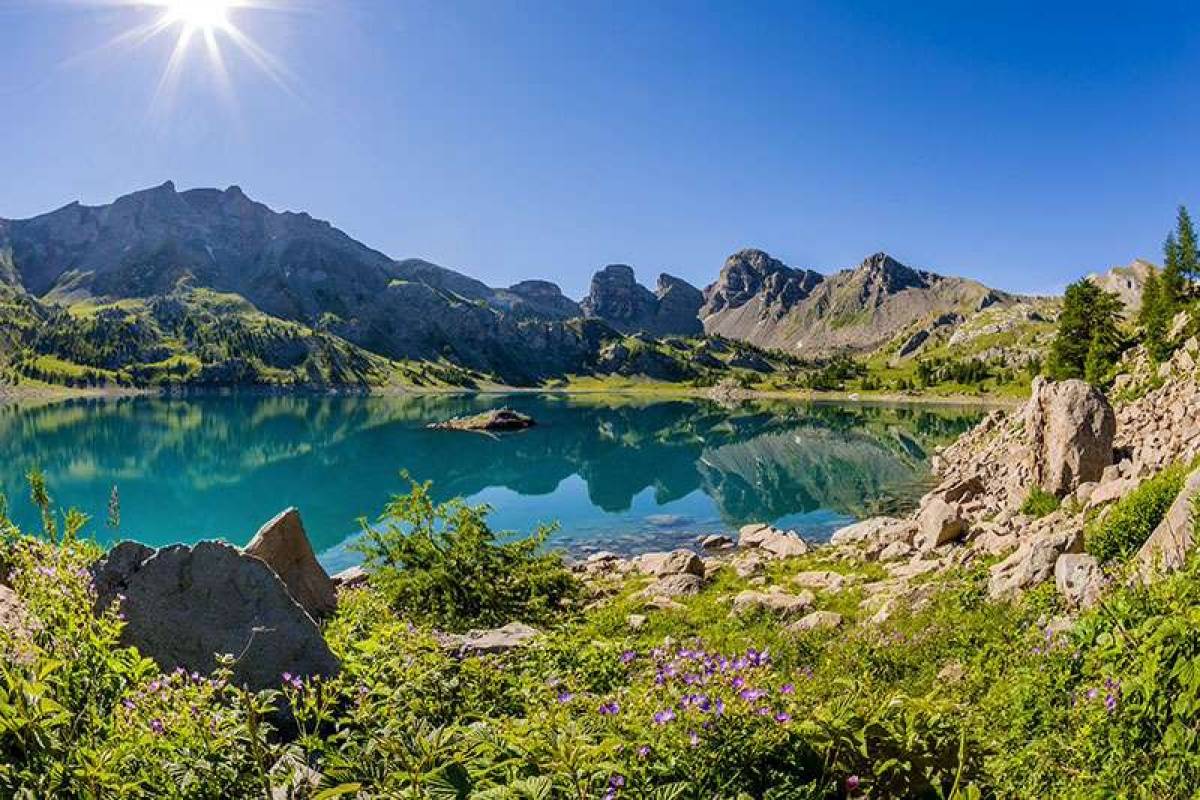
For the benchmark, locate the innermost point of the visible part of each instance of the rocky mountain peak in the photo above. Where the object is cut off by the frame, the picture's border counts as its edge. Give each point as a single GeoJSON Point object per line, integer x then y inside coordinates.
{"type": "Point", "coordinates": [885, 272]}
{"type": "Point", "coordinates": [617, 298]}
{"type": "Point", "coordinates": [749, 273]}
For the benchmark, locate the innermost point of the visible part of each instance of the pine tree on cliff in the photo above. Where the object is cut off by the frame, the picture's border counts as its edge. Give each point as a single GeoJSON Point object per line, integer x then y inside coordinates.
{"type": "Point", "coordinates": [1186, 248]}
{"type": "Point", "coordinates": [1087, 326]}
{"type": "Point", "coordinates": [1153, 316]}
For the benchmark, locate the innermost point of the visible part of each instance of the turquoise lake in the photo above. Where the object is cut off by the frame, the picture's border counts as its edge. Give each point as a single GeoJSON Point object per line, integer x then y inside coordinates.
{"type": "Point", "coordinates": [616, 472]}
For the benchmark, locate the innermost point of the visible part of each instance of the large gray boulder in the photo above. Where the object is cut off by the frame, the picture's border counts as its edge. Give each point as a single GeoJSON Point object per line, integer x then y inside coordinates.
{"type": "Point", "coordinates": [1079, 579]}
{"type": "Point", "coordinates": [1033, 561]}
{"type": "Point", "coordinates": [938, 523]}
{"type": "Point", "coordinates": [1169, 545]}
{"type": "Point", "coordinates": [676, 562]}
{"type": "Point", "coordinates": [1070, 426]}
{"type": "Point", "coordinates": [185, 605]}
{"type": "Point", "coordinates": [283, 544]}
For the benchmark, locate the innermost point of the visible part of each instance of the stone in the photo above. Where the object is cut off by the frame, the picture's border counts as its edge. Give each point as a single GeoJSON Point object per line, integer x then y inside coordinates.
{"type": "Point", "coordinates": [749, 564]}
{"type": "Point", "coordinates": [817, 620]}
{"type": "Point", "coordinates": [676, 562]}
{"type": "Point", "coordinates": [779, 544]}
{"type": "Point", "coordinates": [1084, 491]}
{"type": "Point", "coordinates": [635, 621]}
{"type": "Point", "coordinates": [15, 628]}
{"type": "Point", "coordinates": [1079, 579]}
{"type": "Point", "coordinates": [824, 580]}
{"type": "Point", "coordinates": [284, 545]}
{"type": "Point", "coordinates": [938, 523]}
{"type": "Point", "coordinates": [861, 531]}
{"type": "Point", "coordinates": [952, 672]}
{"type": "Point", "coordinates": [678, 585]}
{"type": "Point", "coordinates": [111, 571]}
{"type": "Point", "coordinates": [774, 601]}
{"type": "Point", "coordinates": [664, 604]}
{"type": "Point", "coordinates": [494, 640]}
{"type": "Point", "coordinates": [351, 578]}
{"type": "Point", "coordinates": [1070, 426]}
{"type": "Point", "coordinates": [184, 605]}
{"type": "Point", "coordinates": [292, 779]}
{"type": "Point", "coordinates": [716, 542]}
{"type": "Point", "coordinates": [1033, 561]}
{"type": "Point", "coordinates": [1168, 546]}
{"type": "Point", "coordinates": [896, 550]}
{"type": "Point", "coordinates": [500, 419]}
{"type": "Point", "coordinates": [1105, 493]}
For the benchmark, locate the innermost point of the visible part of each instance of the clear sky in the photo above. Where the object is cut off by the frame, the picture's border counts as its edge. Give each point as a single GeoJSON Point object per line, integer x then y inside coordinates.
{"type": "Point", "coordinates": [1012, 142]}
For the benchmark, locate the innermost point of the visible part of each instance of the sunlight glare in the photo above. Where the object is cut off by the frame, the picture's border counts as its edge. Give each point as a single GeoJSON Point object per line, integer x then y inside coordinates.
{"type": "Point", "coordinates": [202, 15]}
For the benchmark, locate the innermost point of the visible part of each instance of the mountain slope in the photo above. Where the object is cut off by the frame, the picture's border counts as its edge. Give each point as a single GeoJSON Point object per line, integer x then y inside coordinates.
{"type": "Point", "coordinates": [758, 299]}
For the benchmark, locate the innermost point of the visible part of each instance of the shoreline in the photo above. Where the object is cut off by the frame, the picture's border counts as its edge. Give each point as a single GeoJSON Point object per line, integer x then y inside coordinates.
{"type": "Point", "coordinates": [53, 394]}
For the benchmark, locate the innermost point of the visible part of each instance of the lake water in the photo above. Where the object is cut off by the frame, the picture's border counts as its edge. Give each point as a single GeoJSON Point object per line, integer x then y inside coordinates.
{"type": "Point", "coordinates": [615, 472]}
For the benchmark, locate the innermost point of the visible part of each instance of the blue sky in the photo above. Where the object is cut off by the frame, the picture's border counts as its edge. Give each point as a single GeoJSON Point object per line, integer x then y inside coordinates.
{"type": "Point", "coordinates": [1011, 142]}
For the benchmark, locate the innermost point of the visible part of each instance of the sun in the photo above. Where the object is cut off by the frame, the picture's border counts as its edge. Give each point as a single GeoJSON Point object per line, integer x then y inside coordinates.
{"type": "Point", "coordinates": [198, 15]}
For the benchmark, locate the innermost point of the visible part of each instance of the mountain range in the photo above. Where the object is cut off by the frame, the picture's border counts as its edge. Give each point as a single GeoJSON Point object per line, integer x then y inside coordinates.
{"type": "Point", "coordinates": [210, 286]}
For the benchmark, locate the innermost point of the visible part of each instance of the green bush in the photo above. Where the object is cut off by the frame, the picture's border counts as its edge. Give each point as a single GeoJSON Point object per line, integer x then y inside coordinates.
{"type": "Point", "coordinates": [1038, 503]}
{"type": "Point", "coordinates": [1122, 530]}
{"type": "Point", "coordinates": [441, 564]}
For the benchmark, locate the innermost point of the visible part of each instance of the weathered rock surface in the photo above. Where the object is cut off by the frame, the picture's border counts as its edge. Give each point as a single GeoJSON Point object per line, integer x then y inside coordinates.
{"type": "Point", "coordinates": [823, 580]}
{"type": "Point", "coordinates": [780, 544]}
{"type": "Point", "coordinates": [1070, 426]}
{"type": "Point", "coordinates": [351, 577]}
{"type": "Point", "coordinates": [716, 542]}
{"type": "Point", "coordinates": [1033, 561]}
{"type": "Point", "coordinates": [675, 585]}
{"type": "Point", "coordinates": [183, 605]}
{"type": "Point", "coordinates": [284, 545]}
{"type": "Point", "coordinates": [1079, 579]}
{"type": "Point", "coordinates": [491, 641]}
{"type": "Point", "coordinates": [619, 300]}
{"type": "Point", "coordinates": [676, 562]}
{"type": "Point", "coordinates": [1173, 540]}
{"type": "Point", "coordinates": [774, 601]}
{"type": "Point", "coordinates": [817, 620]}
{"type": "Point", "coordinates": [939, 522]}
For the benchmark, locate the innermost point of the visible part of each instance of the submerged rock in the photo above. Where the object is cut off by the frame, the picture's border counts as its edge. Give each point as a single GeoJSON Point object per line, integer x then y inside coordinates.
{"type": "Point", "coordinates": [500, 419]}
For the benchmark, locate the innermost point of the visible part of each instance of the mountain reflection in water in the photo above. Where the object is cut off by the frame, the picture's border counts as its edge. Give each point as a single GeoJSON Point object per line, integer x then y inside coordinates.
{"type": "Point", "coordinates": [615, 471]}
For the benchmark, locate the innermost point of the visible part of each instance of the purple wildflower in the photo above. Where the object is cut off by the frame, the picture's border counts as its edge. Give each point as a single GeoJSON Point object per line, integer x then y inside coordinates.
{"type": "Point", "coordinates": [783, 718]}
{"type": "Point", "coordinates": [129, 704]}
{"type": "Point", "coordinates": [750, 695]}
{"type": "Point", "coordinates": [1110, 703]}
{"type": "Point", "coordinates": [852, 783]}
{"type": "Point", "coordinates": [157, 726]}
{"type": "Point", "coordinates": [565, 696]}
{"type": "Point", "coordinates": [610, 709]}
{"type": "Point", "coordinates": [643, 751]}
{"type": "Point", "coordinates": [616, 781]}
{"type": "Point", "coordinates": [1092, 694]}
{"type": "Point", "coordinates": [787, 688]}
{"type": "Point", "coordinates": [694, 738]}
{"type": "Point", "coordinates": [663, 717]}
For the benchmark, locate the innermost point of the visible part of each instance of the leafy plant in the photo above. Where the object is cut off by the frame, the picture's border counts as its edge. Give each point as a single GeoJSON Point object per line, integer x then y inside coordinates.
{"type": "Point", "coordinates": [1038, 503]}
{"type": "Point", "coordinates": [440, 563]}
{"type": "Point", "coordinates": [1121, 530]}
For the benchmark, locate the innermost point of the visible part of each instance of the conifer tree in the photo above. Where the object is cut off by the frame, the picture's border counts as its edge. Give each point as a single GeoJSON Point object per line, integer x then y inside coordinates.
{"type": "Point", "coordinates": [1086, 327]}
{"type": "Point", "coordinates": [1185, 247]}
{"type": "Point", "coordinates": [1152, 318]}
{"type": "Point", "coordinates": [1172, 283]}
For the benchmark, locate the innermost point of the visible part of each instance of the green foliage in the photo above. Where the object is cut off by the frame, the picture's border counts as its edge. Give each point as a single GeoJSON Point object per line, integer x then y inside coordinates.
{"type": "Point", "coordinates": [1038, 503]}
{"type": "Point", "coordinates": [1121, 530]}
{"type": "Point", "coordinates": [1155, 316]}
{"type": "Point", "coordinates": [1088, 339]}
{"type": "Point", "coordinates": [1186, 251]}
{"type": "Point", "coordinates": [442, 564]}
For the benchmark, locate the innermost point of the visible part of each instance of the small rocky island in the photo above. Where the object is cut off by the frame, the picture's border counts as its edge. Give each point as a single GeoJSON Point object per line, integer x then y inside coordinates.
{"type": "Point", "coordinates": [496, 419]}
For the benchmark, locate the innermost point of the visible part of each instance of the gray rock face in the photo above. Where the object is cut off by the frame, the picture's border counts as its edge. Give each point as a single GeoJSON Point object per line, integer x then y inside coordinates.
{"type": "Point", "coordinates": [817, 620]}
{"type": "Point", "coordinates": [1070, 426]}
{"type": "Point", "coordinates": [495, 640]}
{"type": "Point", "coordinates": [1033, 561]}
{"type": "Point", "coordinates": [183, 605]}
{"type": "Point", "coordinates": [771, 540]}
{"type": "Point", "coordinates": [1079, 579]}
{"type": "Point", "coordinates": [677, 585]}
{"type": "Point", "coordinates": [1172, 541]}
{"type": "Point", "coordinates": [284, 545]}
{"type": "Point", "coordinates": [773, 601]}
{"type": "Point", "coordinates": [619, 300]}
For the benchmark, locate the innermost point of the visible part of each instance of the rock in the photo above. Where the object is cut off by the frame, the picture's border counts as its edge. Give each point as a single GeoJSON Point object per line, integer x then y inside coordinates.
{"type": "Point", "coordinates": [960, 491]}
{"type": "Point", "coordinates": [1033, 561]}
{"type": "Point", "coordinates": [110, 572]}
{"type": "Point", "coordinates": [953, 672]}
{"type": "Point", "coordinates": [1169, 545]}
{"type": "Point", "coordinates": [617, 298]}
{"type": "Point", "coordinates": [749, 564]}
{"type": "Point", "coordinates": [1079, 579]}
{"type": "Point", "coordinates": [896, 550]}
{"type": "Point", "coordinates": [283, 544]}
{"type": "Point", "coordinates": [774, 601]}
{"type": "Point", "coordinates": [716, 542]}
{"type": "Point", "coordinates": [913, 568]}
{"type": "Point", "coordinates": [292, 779]}
{"type": "Point", "coordinates": [1070, 426]}
{"type": "Point", "coordinates": [1084, 491]}
{"type": "Point", "coordinates": [351, 578]}
{"type": "Point", "coordinates": [676, 562]}
{"type": "Point", "coordinates": [500, 419]}
{"type": "Point", "coordinates": [1108, 492]}
{"type": "Point", "coordinates": [183, 605]}
{"type": "Point", "coordinates": [678, 585]}
{"type": "Point", "coordinates": [861, 531]}
{"type": "Point", "coordinates": [939, 522]}
{"type": "Point", "coordinates": [778, 543]}
{"type": "Point", "coordinates": [817, 620]}
{"type": "Point", "coordinates": [635, 621]}
{"type": "Point", "coordinates": [494, 640]}
{"type": "Point", "coordinates": [825, 580]}
{"type": "Point", "coordinates": [664, 604]}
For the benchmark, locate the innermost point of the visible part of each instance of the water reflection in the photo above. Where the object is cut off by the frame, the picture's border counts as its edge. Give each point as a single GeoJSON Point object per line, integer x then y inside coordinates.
{"type": "Point", "coordinates": [607, 467]}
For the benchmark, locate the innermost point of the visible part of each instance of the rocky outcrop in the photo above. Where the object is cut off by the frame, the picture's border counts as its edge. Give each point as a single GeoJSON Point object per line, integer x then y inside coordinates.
{"type": "Point", "coordinates": [1070, 426]}
{"type": "Point", "coordinates": [1079, 579]}
{"type": "Point", "coordinates": [492, 641]}
{"type": "Point", "coordinates": [777, 543]}
{"type": "Point", "coordinates": [939, 522]}
{"type": "Point", "coordinates": [1034, 559]}
{"type": "Point", "coordinates": [817, 621]}
{"type": "Point", "coordinates": [499, 419]}
{"type": "Point", "coordinates": [184, 606]}
{"type": "Point", "coordinates": [773, 601]}
{"type": "Point", "coordinates": [619, 300]}
{"type": "Point", "coordinates": [284, 545]}
{"type": "Point", "coordinates": [1172, 541]}
{"type": "Point", "coordinates": [676, 562]}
